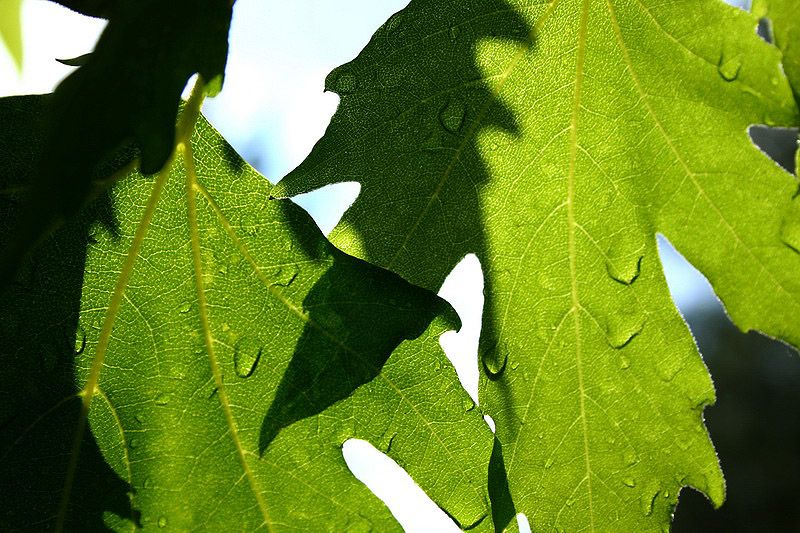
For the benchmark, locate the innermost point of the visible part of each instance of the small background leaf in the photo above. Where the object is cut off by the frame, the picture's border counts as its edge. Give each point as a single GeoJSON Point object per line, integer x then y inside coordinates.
{"type": "Point", "coordinates": [11, 29]}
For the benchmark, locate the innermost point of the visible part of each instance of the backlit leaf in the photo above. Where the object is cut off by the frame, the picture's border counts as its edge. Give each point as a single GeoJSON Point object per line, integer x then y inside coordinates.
{"type": "Point", "coordinates": [555, 140]}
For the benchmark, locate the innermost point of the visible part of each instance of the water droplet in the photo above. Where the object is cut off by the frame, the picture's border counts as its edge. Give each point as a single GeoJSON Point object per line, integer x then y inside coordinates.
{"type": "Point", "coordinates": [162, 398]}
{"type": "Point", "coordinates": [345, 83]}
{"type": "Point", "coordinates": [630, 458]}
{"type": "Point", "coordinates": [80, 340]}
{"type": "Point", "coordinates": [624, 256]}
{"type": "Point", "coordinates": [452, 115]}
{"type": "Point", "coordinates": [246, 356]}
{"type": "Point", "coordinates": [621, 331]}
{"type": "Point", "coordinates": [162, 521]}
{"type": "Point", "coordinates": [629, 482]}
{"type": "Point", "coordinates": [729, 67]}
{"type": "Point", "coordinates": [185, 308]}
{"type": "Point", "coordinates": [624, 362]}
{"type": "Point", "coordinates": [468, 404]}
{"type": "Point", "coordinates": [133, 443]}
{"type": "Point", "coordinates": [668, 366]}
{"type": "Point", "coordinates": [790, 228]}
{"type": "Point", "coordinates": [388, 440]}
{"type": "Point", "coordinates": [648, 501]}
{"type": "Point", "coordinates": [494, 362]}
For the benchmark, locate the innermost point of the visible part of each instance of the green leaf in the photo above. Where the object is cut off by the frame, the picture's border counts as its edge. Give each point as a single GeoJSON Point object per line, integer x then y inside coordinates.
{"type": "Point", "coordinates": [555, 140]}
{"type": "Point", "coordinates": [125, 95]}
{"type": "Point", "coordinates": [224, 351]}
{"type": "Point", "coordinates": [785, 24]}
{"type": "Point", "coordinates": [11, 29]}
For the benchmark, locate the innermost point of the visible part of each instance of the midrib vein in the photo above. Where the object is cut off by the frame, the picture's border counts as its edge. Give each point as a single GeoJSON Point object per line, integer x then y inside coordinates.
{"type": "Point", "coordinates": [572, 225]}
{"type": "Point", "coordinates": [117, 297]}
{"type": "Point", "coordinates": [297, 311]}
{"type": "Point", "coordinates": [191, 201]}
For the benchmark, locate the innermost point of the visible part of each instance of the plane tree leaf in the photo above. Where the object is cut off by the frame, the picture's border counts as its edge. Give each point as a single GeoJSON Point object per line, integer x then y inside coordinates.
{"type": "Point", "coordinates": [11, 29]}
{"type": "Point", "coordinates": [124, 96]}
{"type": "Point", "coordinates": [555, 140]}
{"type": "Point", "coordinates": [222, 351]}
{"type": "Point", "coordinates": [785, 26]}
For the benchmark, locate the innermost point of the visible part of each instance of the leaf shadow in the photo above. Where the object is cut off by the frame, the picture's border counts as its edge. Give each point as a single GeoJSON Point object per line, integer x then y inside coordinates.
{"type": "Point", "coordinates": [357, 315]}
{"type": "Point", "coordinates": [40, 338]}
{"type": "Point", "coordinates": [446, 111]}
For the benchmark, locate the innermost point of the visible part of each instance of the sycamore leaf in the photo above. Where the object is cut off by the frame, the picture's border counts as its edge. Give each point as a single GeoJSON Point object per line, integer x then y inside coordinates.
{"type": "Point", "coordinates": [224, 351]}
{"type": "Point", "coordinates": [785, 24]}
{"type": "Point", "coordinates": [125, 94]}
{"type": "Point", "coordinates": [11, 29]}
{"type": "Point", "coordinates": [555, 140]}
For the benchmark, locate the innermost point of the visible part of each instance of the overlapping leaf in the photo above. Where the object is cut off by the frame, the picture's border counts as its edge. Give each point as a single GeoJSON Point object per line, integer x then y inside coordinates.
{"type": "Point", "coordinates": [785, 25]}
{"type": "Point", "coordinates": [554, 140]}
{"type": "Point", "coordinates": [228, 351]}
{"type": "Point", "coordinates": [124, 96]}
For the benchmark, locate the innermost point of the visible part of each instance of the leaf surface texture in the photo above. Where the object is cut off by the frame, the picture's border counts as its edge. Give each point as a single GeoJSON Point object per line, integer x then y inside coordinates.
{"type": "Point", "coordinates": [555, 140]}
{"type": "Point", "coordinates": [232, 350]}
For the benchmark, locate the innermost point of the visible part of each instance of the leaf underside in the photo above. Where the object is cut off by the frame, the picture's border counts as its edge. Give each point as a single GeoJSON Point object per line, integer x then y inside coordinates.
{"type": "Point", "coordinates": [239, 351]}
{"type": "Point", "coordinates": [555, 140]}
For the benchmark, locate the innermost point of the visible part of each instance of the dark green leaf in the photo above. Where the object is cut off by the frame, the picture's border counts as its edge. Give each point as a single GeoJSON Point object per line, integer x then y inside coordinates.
{"type": "Point", "coordinates": [226, 352]}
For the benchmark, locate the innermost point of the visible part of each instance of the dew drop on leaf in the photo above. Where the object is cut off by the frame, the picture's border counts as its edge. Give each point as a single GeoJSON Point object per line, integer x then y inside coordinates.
{"type": "Point", "coordinates": [162, 398]}
{"type": "Point", "coordinates": [387, 441]}
{"type": "Point", "coordinates": [668, 367]}
{"type": "Point", "coordinates": [133, 443]}
{"type": "Point", "coordinates": [80, 340]}
{"type": "Point", "coordinates": [647, 502]}
{"type": "Point", "coordinates": [494, 362]}
{"type": "Point", "coordinates": [624, 362]}
{"type": "Point", "coordinates": [630, 458]}
{"type": "Point", "coordinates": [621, 331]}
{"type": "Point", "coordinates": [246, 356]}
{"type": "Point", "coordinates": [729, 67]}
{"type": "Point", "coordinates": [452, 115]}
{"type": "Point", "coordinates": [629, 482]}
{"type": "Point", "coordinates": [162, 521]}
{"type": "Point", "coordinates": [468, 404]}
{"type": "Point", "coordinates": [624, 258]}
{"type": "Point", "coordinates": [185, 307]}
